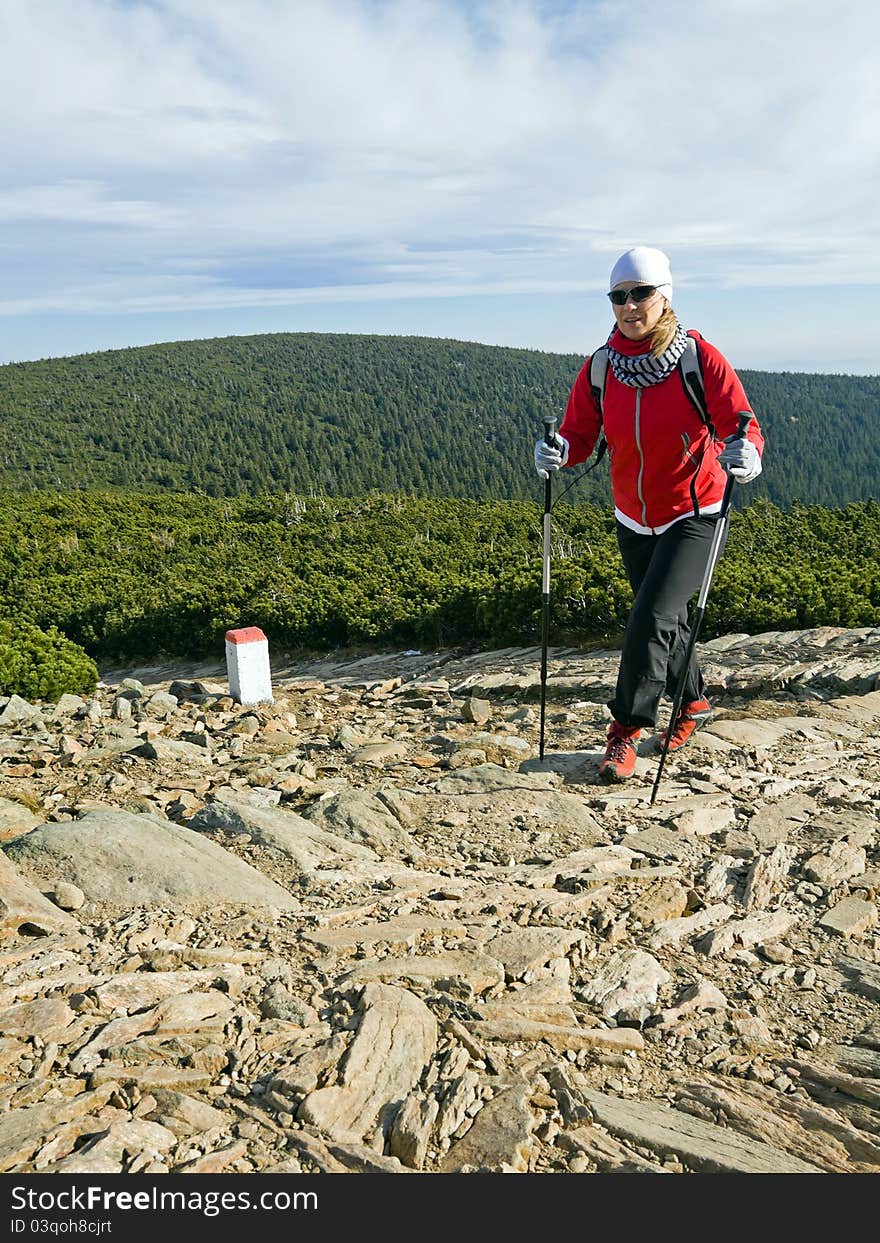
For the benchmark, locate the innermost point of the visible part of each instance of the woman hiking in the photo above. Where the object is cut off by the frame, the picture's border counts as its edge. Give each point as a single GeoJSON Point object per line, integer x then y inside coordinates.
{"type": "Point", "coordinates": [668, 471]}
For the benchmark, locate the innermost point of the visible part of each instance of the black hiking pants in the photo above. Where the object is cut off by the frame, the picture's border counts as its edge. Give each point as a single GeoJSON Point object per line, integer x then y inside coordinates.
{"type": "Point", "coordinates": [664, 571]}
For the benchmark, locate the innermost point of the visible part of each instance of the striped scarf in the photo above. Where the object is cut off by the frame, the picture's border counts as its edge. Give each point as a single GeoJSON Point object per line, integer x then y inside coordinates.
{"type": "Point", "coordinates": [643, 370]}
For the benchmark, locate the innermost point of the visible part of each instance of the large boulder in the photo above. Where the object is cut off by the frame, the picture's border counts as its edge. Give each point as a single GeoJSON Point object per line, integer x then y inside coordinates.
{"type": "Point", "coordinates": [123, 858]}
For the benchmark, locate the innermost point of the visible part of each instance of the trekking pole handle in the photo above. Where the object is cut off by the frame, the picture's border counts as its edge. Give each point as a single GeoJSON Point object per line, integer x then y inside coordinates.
{"type": "Point", "coordinates": [744, 418]}
{"type": "Point", "coordinates": [549, 430]}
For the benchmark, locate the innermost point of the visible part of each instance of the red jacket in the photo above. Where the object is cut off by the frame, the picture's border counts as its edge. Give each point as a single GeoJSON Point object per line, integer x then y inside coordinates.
{"type": "Point", "coordinates": [663, 459]}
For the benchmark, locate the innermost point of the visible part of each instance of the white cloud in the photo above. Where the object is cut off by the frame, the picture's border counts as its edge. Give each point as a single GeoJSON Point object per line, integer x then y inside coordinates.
{"type": "Point", "coordinates": [326, 148]}
{"type": "Point", "coordinates": [81, 202]}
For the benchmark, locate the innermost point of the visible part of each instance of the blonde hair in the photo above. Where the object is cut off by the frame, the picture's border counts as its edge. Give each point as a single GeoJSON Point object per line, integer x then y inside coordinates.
{"type": "Point", "coordinates": [664, 331]}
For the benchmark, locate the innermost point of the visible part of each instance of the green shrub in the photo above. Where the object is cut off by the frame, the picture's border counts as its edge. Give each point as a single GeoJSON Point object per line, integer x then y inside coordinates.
{"type": "Point", "coordinates": [42, 664]}
{"type": "Point", "coordinates": [134, 578]}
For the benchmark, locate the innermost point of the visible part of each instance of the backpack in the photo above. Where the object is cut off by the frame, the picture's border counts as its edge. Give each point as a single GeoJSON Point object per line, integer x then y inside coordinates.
{"type": "Point", "coordinates": [689, 369]}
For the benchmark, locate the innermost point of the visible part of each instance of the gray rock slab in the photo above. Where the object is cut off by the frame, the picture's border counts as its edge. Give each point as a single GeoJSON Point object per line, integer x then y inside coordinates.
{"type": "Point", "coordinates": [113, 1035]}
{"type": "Point", "coordinates": [109, 748]}
{"type": "Point", "coordinates": [280, 829]}
{"type": "Point", "coordinates": [136, 989]}
{"type": "Point", "coordinates": [703, 815]}
{"type": "Point", "coordinates": [702, 1146]}
{"type": "Point", "coordinates": [856, 1061]}
{"type": "Point", "coordinates": [24, 1130]}
{"type": "Point", "coordinates": [767, 876]}
{"type": "Point", "coordinates": [869, 1037]}
{"type": "Point", "coordinates": [407, 882]}
{"type": "Point", "coordinates": [863, 975]}
{"type": "Point", "coordinates": [18, 711]}
{"type": "Point", "coordinates": [859, 676]}
{"type": "Point", "coordinates": [457, 1096]}
{"type": "Point", "coordinates": [478, 970]}
{"type": "Point", "coordinates": [172, 750]}
{"type": "Point", "coordinates": [852, 1086]}
{"type": "Point", "coordinates": [122, 858]}
{"type": "Point", "coordinates": [106, 1153]}
{"type": "Point", "coordinates": [217, 1160]}
{"type": "Point", "coordinates": [411, 1130]}
{"type": "Point", "coordinates": [16, 820]}
{"type": "Point", "coordinates": [378, 754]}
{"type": "Point", "coordinates": [749, 734]}
{"type": "Point", "coordinates": [607, 1153]}
{"type": "Point", "coordinates": [496, 746]}
{"type": "Point", "coordinates": [190, 1109]}
{"type": "Point", "coordinates": [403, 931]}
{"type": "Point", "coordinates": [477, 710]}
{"type": "Point", "coordinates": [840, 862]}
{"type": "Point", "coordinates": [545, 1001]}
{"type": "Point", "coordinates": [44, 1017]}
{"type": "Point", "coordinates": [701, 995]}
{"type": "Point", "coordinates": [674, 931]}
{"type": "Point", "coordinates": [858, 827]}
{"type": "Point", "coordinates": [704, 741]}
{"type": "Point", "coordinates": [396, 1039]}
{"type": "Point", "coordinates": [527, 1031]}
{"type": "Point", "coordinates": [864, 709]}
{"type": "Point", "coordinates": [748, 932]}
{"type": "Point", "coordinates": [488, 778]}
{"type": "Point", "coordinates": [67, 705]}
{"type": "Point", "coordinates": [596, 860]}
{"type": "Point", "coordinates": [813, 1133]}
{"type": "Point", "coordinates": [149, 1078]}
{"type": "Point", "coordinates": [660, 843]}
{"type": "Point", "coordinates": [629, 979]}
{"type": "Point", "coordinates": [551, 811]}
{"type": "Point", "coordinates": [850, 918]}
{"type": "Point", "coordinates": [868, 880]}
{"type": "Point", "coordinates": [529, 948]}
{"type": "Point", "coordinates": [362, 1159]}
{"type": "Point", "coordinates": [22, 904]}
{"type": "Point", "coordinates": [358, 816]}
{"type": "Point", "coordinates": [500, 1138]}
{"type": "Point", "coordinates": [667, 899]}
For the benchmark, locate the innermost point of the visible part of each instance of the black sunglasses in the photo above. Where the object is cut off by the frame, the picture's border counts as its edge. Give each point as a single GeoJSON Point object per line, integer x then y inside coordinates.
{"type": "Point", "coordinates": [639, 293]}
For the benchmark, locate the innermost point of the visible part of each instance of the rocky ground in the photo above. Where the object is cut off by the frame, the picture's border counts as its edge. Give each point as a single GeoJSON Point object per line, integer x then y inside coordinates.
{"type": "Point", "coordinates": [365, 929]}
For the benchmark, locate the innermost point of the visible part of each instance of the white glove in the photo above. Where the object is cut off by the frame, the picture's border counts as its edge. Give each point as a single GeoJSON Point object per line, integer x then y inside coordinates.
{"type": "Point", "coordinates": [550, 457]}
{"type": "Point", "coordinates": [740, 458]}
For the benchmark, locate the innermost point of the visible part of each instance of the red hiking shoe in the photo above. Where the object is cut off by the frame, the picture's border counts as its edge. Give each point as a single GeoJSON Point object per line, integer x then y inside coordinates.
{"type": "Point", "coordinates": [690, 717]}
{"type": "Point", "coordinates": [619, 762]}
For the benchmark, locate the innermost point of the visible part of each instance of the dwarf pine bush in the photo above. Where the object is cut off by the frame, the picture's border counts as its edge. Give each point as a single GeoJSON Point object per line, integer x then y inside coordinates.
{"type": "Point", "coordinates": [42, 664]}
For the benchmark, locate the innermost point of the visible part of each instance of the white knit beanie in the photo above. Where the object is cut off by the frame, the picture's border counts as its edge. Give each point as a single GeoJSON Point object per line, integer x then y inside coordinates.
{"type": "Point", "coordinates": [645, 265]}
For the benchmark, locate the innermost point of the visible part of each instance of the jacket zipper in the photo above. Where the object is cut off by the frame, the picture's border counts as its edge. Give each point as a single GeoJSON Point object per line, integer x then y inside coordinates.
{"type": "Point", "coordinates": [641, 455]}
{"type": "Point", "coordinates": [698, 465]}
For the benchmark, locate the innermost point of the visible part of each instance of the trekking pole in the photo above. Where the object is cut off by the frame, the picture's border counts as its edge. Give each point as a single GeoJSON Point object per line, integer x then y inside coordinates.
{"type": "Point", "coordinates": [549, 438]}
{"type": "Point", "coordinates": [745, 418]}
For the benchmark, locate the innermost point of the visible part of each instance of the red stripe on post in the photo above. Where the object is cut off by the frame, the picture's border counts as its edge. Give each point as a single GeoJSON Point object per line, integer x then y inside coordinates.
{"type": "Point", "coordinates": [249, 634]}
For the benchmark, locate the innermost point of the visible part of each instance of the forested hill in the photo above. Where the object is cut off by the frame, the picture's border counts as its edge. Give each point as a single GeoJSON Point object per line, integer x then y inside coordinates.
{"type": "Point", "coordinates": [344, 415]}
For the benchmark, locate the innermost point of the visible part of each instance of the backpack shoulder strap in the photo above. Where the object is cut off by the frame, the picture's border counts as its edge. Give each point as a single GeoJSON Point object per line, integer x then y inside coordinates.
{"type": "Point", "coordinates": [691, 370]}
{"type": "Point", "coordinates": [598, 371]}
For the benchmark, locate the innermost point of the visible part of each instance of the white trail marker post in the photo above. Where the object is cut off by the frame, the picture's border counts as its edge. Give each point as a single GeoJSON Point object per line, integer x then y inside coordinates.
{"type": "Point", "coordinates": [247, 666]}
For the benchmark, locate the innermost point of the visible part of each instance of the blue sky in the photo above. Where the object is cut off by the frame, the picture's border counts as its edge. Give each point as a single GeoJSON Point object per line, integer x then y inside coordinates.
{"type": "Point", "coordinates": [193, 168]}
